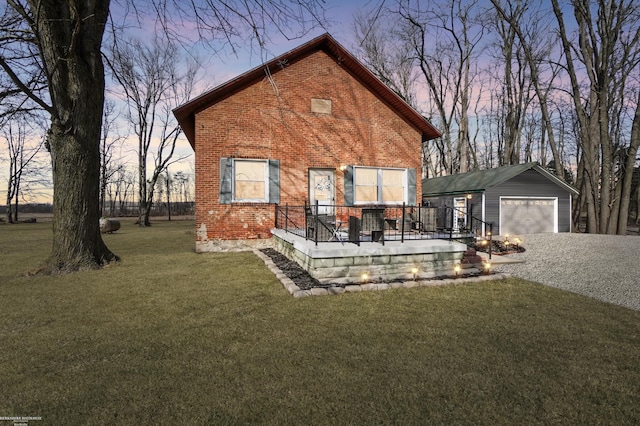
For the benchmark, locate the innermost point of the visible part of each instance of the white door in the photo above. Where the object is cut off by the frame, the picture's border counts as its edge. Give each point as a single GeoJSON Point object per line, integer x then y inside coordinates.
{"type": "Point", "coordinates": [322, 188]}
{"type": "Point", "coordinates": [459, 213]}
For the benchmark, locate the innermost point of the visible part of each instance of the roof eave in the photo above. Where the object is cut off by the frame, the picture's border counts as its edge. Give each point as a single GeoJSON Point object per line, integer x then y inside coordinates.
{"type": "Point", "coordinates": [556, 179]}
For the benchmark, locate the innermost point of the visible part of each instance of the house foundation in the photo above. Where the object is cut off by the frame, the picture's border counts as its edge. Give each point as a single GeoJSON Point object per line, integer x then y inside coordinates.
{"type": "Point", "coordinates": [371, 262]}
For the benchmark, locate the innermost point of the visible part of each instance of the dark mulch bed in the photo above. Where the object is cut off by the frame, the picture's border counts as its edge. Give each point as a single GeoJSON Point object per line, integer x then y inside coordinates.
{"type": "Point", "coordinates": [293, 271]}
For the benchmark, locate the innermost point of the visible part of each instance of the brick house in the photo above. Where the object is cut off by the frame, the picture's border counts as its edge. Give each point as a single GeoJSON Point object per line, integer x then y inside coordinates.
{"type": "Point", "coordinates": [312, 124]}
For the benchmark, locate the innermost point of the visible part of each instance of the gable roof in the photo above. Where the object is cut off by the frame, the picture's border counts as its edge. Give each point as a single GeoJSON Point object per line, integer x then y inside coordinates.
{"type": "Point", "coordinates": [482, 180]}
{"type": "Point", "coordinates": [186, 112]}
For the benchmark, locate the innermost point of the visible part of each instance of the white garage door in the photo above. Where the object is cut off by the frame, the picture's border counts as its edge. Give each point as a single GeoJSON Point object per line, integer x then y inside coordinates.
{"type": "Point", "coordinates": [519, 215]}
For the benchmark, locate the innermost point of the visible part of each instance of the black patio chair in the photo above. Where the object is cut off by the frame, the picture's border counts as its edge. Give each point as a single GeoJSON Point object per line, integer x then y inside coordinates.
{"type": "Point", "coordinates": [373, 222]}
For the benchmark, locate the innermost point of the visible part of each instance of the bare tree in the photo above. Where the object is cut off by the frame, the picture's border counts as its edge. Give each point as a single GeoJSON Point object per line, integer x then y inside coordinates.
{"type": "Point", "coordinates": [182, 187]}
{"type": "Point", "coordinates": [23, 147]}
{"type": "Point", "coordinates": [109, 165]}
{"type": "Point", "coordinates": [630, 158]}
{"type": "Point", "coordinates": [124, 185]}
{"type": "Point", "coordinates": [380, 46]}
{"type": "Point", "coordinates": [385, 55]}
{"type": "Point", "coordinates": [512, 89]}
{"type": "Point", "coordinates": [608, 50]}
{"type": "Point", "coordinates": [165, 185]}
{"type": "Point", "coordinates": [18, 48]}
{"type": "Point", "coordinates": [64, 40]}
{"type": "Point", "coordinates": [445, 40]}
{"type": "Point", "coordinates": [533, 38]}
{"type": "Point", "coordinates": [153, 84]}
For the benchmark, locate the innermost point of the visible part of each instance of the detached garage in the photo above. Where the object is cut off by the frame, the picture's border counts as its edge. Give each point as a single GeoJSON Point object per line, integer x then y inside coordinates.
{"type": "Point", "coordinates": [520, 199]}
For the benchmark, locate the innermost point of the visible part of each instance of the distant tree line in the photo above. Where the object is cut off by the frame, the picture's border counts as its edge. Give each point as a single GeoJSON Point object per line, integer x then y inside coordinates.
{"type": "Point", "coordinates": [176, 208]}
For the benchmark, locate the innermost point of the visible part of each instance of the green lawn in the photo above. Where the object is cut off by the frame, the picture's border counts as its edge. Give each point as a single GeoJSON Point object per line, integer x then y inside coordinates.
{"type": "Point", "coordinates": [172, 337]}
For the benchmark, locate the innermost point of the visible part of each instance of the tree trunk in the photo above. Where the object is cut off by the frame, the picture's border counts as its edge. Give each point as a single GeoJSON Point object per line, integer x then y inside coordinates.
{"type": "Point", "coordinates": [638, 205]}
{"type": "Point", "coordinates": [9, 212]}
{"type": "Point", "coordinates": [103, 190]}
{"type": "Point", "coordinates": [10, 197]}
{"type": "Point", "coordinates": [70, 36]}
{"type": "Point", "coordinates": [627, 178]}
{"type": "Point", "coordinates": [614, 209]}
{"type": "Point", "coordinates": [147, 213]}
{"type": "Point", "coordinates": [168, 182]}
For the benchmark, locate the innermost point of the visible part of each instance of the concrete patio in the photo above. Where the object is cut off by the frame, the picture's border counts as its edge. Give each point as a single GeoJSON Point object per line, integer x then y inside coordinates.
{"type": "Point", "coordinates": [333, 262]}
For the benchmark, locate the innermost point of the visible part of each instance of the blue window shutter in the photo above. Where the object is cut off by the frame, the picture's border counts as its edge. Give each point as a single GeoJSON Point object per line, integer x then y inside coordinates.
{"type": "Point", "coordinates": [274, 181]}
{"type": "Point", "coordinates": [411, 184]}
{"type": "Point", "coordinates": [348, 186]}
{"type": "Point", "coordinates": [226, 177]}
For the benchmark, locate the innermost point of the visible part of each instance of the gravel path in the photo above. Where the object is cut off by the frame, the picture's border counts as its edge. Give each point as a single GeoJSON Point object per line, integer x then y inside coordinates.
{"type": "Point", "coordinates": [605, 267]}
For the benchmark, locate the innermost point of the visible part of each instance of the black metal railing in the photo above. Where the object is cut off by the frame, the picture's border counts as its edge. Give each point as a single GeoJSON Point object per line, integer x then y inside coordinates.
{"type": "Point", "coordinates": [356, 224]}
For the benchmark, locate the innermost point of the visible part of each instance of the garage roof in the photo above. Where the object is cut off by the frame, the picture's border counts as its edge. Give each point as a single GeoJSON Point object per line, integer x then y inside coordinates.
{"type": "Point", "coordinates": [186, 112]}
{"type": "Point", "coordinates": [482, 180]}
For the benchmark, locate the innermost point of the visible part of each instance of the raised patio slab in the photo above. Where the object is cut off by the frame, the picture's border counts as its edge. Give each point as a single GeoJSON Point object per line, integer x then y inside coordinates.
{"type": "Point", "coordinates": [333, 262]}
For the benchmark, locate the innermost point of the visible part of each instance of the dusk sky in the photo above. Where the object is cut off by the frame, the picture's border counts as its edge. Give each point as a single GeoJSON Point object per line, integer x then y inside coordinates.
{"type": "Point", "coordinates": [339, 14]}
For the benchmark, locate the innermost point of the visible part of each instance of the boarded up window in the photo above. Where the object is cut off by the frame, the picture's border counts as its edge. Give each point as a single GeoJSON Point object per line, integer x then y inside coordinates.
{"type": "Point", "coordinates": [321, 106]}
{"type": "Point", "coordinates": [250, 180]}
{"type": "Point", "coordinates": [392, 186]}
{"type": "Point", "coordinates": [375, 186]}
{"type": "Point", "coordinates": [366, 185]}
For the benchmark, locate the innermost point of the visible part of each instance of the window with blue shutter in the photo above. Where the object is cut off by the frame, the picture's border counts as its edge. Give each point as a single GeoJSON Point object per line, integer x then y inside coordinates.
{"type": "Point", "coordinates": [348, 186]}
{"type": "Point", "coordinates": [274, 181]}
{"type": "Point", "coordinates": [226, 180]}
{"type": "Point", "coordinates": [411, 187]}
{"type": "Point", "coordinates": [249, 180]}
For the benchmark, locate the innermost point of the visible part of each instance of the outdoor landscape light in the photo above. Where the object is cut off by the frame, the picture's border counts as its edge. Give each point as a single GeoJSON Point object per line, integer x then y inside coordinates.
{"type": "Point", "coordinates": [457, 269]}
{"type": "Point", "coordinates": [487, 267]}
{"type": "Point", "coordinates": [414, 271]}
{"type": "Point", "coordinates": [364, 277]}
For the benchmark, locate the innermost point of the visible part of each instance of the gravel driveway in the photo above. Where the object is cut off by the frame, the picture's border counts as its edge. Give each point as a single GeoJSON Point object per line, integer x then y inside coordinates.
{"type": "Point", "coordinates": [605, 267]}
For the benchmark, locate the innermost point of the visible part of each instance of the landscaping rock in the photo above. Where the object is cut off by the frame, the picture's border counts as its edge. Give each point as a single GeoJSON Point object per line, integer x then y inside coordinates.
{"type": "Point", "coordinates": [109, 225]}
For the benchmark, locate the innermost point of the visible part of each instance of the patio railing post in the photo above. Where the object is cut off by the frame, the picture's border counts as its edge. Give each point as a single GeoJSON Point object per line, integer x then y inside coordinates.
{"type": "Point", "coordinates": [306, 221]}
{"type": "Point", "coordinates": [286, 217]}
{"type": "Point", "coordinates": [315, 223]}
{"type": "Point", "coordinates": [490, 238]}
{"type": "Point", "coordinates": [402, 223]}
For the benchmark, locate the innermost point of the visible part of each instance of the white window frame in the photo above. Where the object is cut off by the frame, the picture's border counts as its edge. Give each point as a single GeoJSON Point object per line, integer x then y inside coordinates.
{"type": "Point", "coordinates": [405, 186]}
{"type": "Point", "coordinates": [265, 198]}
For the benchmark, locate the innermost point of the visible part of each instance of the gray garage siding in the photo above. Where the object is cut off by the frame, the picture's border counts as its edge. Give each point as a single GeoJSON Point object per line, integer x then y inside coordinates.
{"type": "Point", "coordinates": [527, 184]}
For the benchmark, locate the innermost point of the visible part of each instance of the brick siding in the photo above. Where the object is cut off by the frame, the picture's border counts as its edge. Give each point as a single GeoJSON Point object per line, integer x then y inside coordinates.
{"type": "Point", "coordinates": [272, 119]}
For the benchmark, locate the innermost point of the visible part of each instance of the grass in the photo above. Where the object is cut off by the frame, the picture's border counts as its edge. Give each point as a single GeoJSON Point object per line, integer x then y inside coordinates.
{"type": "Point", "coordinates": [172, 337]}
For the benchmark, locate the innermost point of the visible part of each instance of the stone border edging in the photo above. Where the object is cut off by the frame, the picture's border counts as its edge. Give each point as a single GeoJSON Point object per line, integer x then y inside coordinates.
{"type": "Point", "coordinates": [296, 292]}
